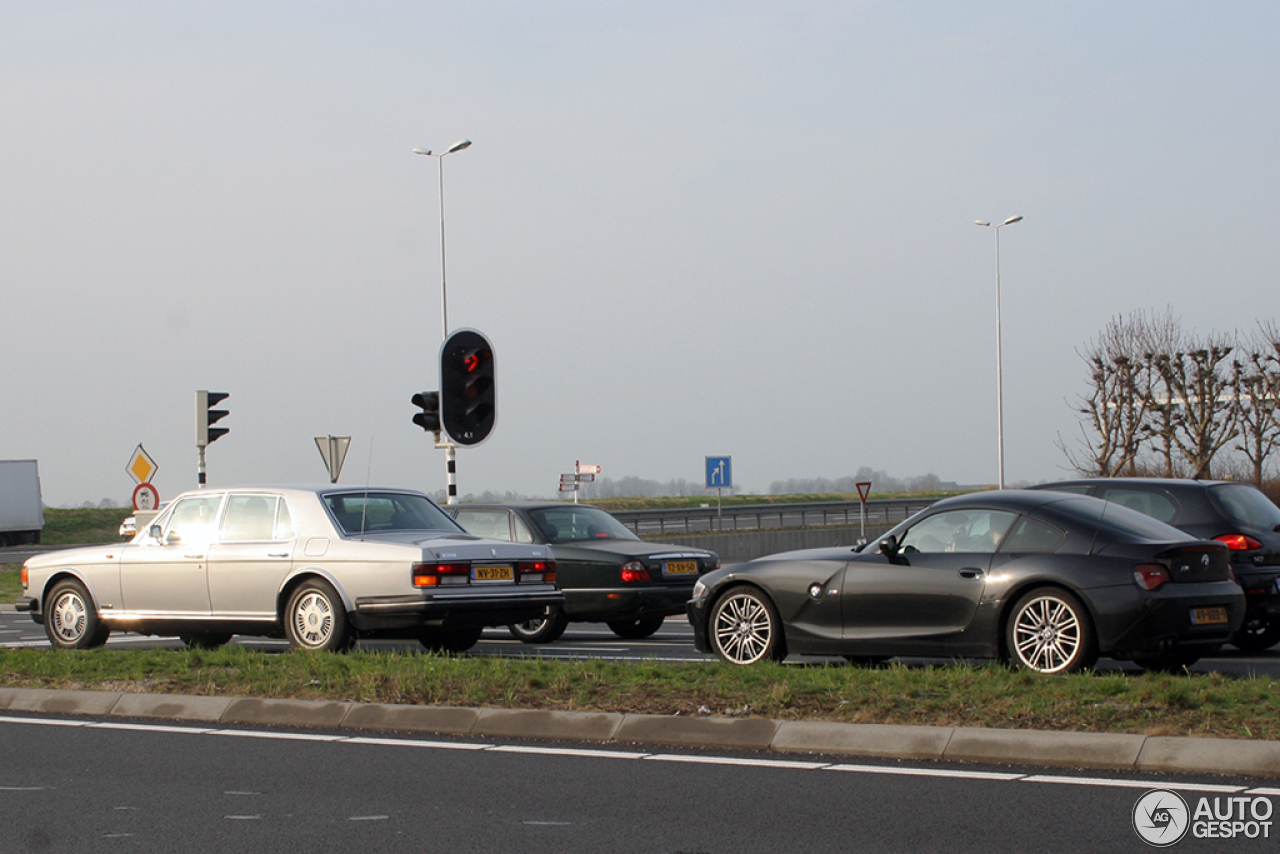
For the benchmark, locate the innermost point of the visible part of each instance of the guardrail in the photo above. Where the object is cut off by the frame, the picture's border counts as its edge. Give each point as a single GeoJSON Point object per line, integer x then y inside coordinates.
{"type": "Point", "coordinates": [757, 517]}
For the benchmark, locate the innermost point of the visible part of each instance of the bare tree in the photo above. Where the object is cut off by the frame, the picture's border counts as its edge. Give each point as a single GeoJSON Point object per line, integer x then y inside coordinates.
{"type": "Point", "coordinates": [1255, 387]}
{"type": "Point", "coordinates": [1113, 412]}
{"type": "Point", "coordinates": [1196, 387]}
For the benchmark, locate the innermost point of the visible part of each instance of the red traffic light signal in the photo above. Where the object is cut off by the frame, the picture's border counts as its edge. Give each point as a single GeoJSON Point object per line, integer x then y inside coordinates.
{"type": "Point", "coordinates": [468, 394]}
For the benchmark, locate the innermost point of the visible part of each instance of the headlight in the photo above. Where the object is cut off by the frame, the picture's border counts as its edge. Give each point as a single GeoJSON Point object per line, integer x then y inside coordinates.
{"type": "Point", "coordinates": [699, 589]}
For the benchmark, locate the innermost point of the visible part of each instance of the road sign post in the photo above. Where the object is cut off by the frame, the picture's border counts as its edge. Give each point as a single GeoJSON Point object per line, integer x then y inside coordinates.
{"type": "Point", "coordinates": [333, 449]}
{"type": "Point", "coordinates": [719, 478]}
{"type": "Point", "coordinates": [864, 489]}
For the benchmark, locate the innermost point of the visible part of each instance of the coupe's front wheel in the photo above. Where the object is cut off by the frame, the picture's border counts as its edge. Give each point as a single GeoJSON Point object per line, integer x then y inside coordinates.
{"type": "Point", "coordinates": [315, 619]}
{"type": "Point", "coordinates": [1049, 631]}
{"type": "Point", "coordinates": [1259, 632]}
{"type": "Point", "coordinates": [636, 629]}
{"type": "Point", "coordinates": [71, 620]}
{"type": "Point", "coordinates": [541, 630]}
{"type": "Point", "coordinates": [744, 627]}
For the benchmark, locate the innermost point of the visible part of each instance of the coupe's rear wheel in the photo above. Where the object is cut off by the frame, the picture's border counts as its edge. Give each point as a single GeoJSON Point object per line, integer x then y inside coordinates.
{"type": "Point", "coordinates": [450, 640]}
{"type": "Point", "coordinates": [71, 620]}
{"type": "Point", "coordinates": [636, 629]}
{"type": "Point", "coordinates": [205, 640]}
{"type": "Point", "coordinates": [744, 627]}
{"type": "Point", "coordinates": [541, 630]}
{"type": "Point", "coordinates": [1049, 631]}
{"type": "Point", "coordinates": [315, 619]}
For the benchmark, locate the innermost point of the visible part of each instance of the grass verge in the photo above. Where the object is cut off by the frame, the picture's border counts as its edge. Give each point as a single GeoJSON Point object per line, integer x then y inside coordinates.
{"type": "Point", "coordinates": [953, 695]}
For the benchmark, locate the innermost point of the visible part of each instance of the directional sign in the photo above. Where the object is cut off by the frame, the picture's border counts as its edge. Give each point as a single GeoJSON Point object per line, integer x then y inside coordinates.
{"type": "Point", "coordinates": [584, 468]}
{"type": "Point", "coordinates": [719, 472]}
{"type": "Point", "coordinates": [141, 467]}
{"type": "Point", "coordinates": [334, 451]}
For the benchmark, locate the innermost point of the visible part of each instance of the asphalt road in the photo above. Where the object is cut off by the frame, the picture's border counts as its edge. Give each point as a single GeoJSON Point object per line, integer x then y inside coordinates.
{"type": "Point", "coordinates": [85, 785]}
{"type": "Point", "coordinates": [673, 642]}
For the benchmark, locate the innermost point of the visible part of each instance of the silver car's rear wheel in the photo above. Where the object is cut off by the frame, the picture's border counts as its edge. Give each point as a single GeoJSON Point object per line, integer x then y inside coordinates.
{"type": "Point", "coordinates": [744, 627]}
{"type": "Point", "coordinates": [1049, 631]}
{"type": "Point", "coordinates": [541, 630]}
{"type": "Point", "coordinates": [316, 619]}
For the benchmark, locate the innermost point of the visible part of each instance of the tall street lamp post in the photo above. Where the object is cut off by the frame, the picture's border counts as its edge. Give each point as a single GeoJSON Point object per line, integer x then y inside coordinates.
{"type": "Point", "coordinates": [444, 298]}
{"type": "Point", "coordinates": [450, 449]}
{"type": "Point", "coordinates": [999, 360]}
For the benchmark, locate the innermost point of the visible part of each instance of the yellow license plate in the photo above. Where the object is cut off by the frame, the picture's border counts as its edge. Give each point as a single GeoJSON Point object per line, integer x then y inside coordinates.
{"type": "Point", "coordinates": [493, 573]}
{"type": "Point", "coordinates": [1208, 616]}
{"type": "Point", "coordinates": [682, 567]}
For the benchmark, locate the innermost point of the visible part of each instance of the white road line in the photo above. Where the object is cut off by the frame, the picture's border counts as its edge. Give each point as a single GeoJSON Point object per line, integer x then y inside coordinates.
{"type": "Point", "coordinates": [732, 760]}
{"type": "Point", "coordinates": [567, 751]}
{"type": "Point", "coordinates": [404, 742]}
{"type": "Point", "coordinates": [924, 772]}
{"type": "Point", "coordinates": [1130, 784]}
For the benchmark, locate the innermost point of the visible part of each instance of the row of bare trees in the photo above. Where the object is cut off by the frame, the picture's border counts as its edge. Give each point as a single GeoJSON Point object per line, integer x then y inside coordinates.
{"type": "Point", "coordinates": [1165, 401]}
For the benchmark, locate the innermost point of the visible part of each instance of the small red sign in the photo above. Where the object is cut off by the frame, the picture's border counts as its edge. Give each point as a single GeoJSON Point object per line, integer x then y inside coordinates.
{"type": "Point", "coordinates": [145, 497]}
{"type": "Point", "coordinates": [864, 489]}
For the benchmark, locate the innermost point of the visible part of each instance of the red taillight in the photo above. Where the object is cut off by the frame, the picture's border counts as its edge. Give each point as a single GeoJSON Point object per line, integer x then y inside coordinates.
{"type": "Point", "coordinates": [634, 571]}
{"type": "Point", "coordinates": [435, 574]}
{"type": "Point", "coordinates": [545, 570]}
{"type": "Point", "coordinates": [1149, 576]}
{"type": "Point", "coordinates": [1239, 542]}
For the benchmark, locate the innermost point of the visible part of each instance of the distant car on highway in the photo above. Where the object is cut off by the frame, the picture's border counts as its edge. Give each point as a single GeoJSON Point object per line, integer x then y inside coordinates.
{"type": "Point", "coordinates": [1045, 580]}
{"type": "Point", "coordinates": [1237, 514]}
{"type": "Point", "coordinates": [320, 566]}
{"type": "Point", "coordinates": [608, 574]}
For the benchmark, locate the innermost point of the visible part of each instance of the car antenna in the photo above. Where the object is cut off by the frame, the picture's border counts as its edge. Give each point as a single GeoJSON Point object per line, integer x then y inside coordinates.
{"type": "Point", "coordinates": [368, 471]}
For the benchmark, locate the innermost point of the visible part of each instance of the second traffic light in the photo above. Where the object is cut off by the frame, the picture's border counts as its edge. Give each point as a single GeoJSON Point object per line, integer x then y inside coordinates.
{"type": "Point", "coordinates": [468, 395]}
{"type": "Point", "coordinates": [205, 434]}
{"type": "Point", "coordinates": [429, 418]}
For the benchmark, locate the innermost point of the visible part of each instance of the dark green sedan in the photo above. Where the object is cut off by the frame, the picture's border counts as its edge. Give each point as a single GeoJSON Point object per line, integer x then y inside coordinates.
{"type": "Point", "coordinates": [608, 574]}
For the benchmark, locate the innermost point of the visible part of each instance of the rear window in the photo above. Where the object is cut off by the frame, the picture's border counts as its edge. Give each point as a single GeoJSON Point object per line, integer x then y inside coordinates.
{"type": "Point", "coordinates": [1119, 522]}
{"type": "Point", "coordinates": [1245, 505]}
{"type": "Point", "coordinates": [1150, 502]}
{"type": "Point", "coordinates": [376, 512]}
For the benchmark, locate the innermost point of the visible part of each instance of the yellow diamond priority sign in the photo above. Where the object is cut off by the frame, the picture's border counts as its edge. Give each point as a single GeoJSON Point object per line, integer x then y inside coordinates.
{"type": "Point", "coordinates": [141, 467]}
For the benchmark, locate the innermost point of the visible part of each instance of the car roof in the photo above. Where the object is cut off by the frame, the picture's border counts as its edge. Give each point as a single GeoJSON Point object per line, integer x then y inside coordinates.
{"type": "Point", "coordinates": [518, 505]}
{"type": "Point", "coordinates": [1165, 482]}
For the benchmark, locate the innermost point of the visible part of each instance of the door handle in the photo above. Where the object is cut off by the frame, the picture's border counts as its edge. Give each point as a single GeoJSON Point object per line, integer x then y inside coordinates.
{"type": "Point", "coordinates": [277, 554]}
{"type": "Point", "coordinates": [194, 557]}
{"type": "Point", "coordinates": [970, 573]}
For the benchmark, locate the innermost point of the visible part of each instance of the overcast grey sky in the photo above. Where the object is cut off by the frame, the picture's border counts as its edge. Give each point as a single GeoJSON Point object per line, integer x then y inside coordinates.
{"type": "Point", "coordinates": [689, 228]}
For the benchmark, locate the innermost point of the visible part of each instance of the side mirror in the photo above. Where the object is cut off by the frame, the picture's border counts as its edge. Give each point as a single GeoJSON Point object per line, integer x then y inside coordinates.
{"type": "Point", "coordinates": [154, 532]}
{"type": "Point", "coordinates": [889, 548]}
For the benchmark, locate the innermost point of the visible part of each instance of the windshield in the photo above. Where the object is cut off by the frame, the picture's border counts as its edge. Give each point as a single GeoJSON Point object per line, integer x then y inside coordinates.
{"type": "Point", "coordinates": [1247, 506]}
{"type": "Point", "coordinates": [574, 523]}
{"type": "Point", "coordinates": [378, 512]}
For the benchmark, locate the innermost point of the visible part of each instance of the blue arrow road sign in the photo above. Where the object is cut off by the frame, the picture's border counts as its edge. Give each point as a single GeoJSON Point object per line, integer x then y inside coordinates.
{"type": "Point", "coordinates": [719, 472]}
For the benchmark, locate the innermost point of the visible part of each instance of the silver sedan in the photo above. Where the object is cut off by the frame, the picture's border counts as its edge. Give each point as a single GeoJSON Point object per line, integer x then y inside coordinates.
{"type": "Point", "coordinates": [321, 566]}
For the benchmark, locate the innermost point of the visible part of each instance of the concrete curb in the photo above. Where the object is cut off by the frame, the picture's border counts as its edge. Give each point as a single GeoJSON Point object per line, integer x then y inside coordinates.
{"type": "Point", "coordinates": [1167, 754]}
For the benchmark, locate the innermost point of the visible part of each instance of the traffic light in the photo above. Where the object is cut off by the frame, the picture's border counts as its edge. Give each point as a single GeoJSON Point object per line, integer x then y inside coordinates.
{"type": "Point", "coordinates": [205, 416]}
{"type": "Point", "coordinates": [468, 403]}
{"type": "Point", "coordinates": [429, 418]}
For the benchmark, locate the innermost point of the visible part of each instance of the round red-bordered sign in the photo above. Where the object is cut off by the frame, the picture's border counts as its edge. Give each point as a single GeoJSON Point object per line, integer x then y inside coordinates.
{"type": "Point", "coordinates": [145, 497]}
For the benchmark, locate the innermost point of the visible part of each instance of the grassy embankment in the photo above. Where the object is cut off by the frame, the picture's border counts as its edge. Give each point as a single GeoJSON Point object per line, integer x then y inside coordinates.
{"type": "Point", "coordinates": [955, 695]}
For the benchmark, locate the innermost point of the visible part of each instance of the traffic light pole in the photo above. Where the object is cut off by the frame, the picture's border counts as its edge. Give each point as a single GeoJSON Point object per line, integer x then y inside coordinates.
{"type": "Point", "coordinates": [451, 469]}
{"type": "Point", "coordinates": [200, 468]}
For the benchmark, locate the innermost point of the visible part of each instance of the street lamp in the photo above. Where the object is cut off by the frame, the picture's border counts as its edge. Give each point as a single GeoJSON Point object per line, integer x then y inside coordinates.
{"type": "Point", "coordinates": [450, 449]}
{"type": "Point", "coordinates": [444, 301]}
{"type": "Point", "coordinates": [999, 362]}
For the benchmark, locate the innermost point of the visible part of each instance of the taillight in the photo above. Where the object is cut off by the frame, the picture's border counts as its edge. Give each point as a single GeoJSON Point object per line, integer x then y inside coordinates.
{"type": "Point", "coordinates": [436, 574]}
{"type": "Point", "coordinates": [634, 571]}
{"type": "Point", "coordinates": [1239, 542]}
{"type": "Point", "coordinates": [538, 570]}
{"type": "Point", "coordinates": [1149, 576]}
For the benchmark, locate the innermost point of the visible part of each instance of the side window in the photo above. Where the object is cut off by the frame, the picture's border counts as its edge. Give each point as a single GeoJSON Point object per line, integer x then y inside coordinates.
{"type": "Point", "coordinates": [249, 517]}
{"type": "Point", "coordinates": [284, 524]}
{"type": "Point", "coordinates": [1031, 536]}
{"type": "Point", "coordinates": [1153, 503]}
{"type": "Point", "coordinates": [968, 531]}
{"type": "Point", "coordinates": [493, 524]}
{"type": "Point", "coordinates": [523, 534]}
{"type": "Point", "coordinates": [193, 519]}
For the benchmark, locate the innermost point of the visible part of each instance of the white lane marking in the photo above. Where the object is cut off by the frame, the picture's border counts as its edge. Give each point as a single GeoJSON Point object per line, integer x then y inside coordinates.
{"type": "Point", "coordinates": [1129, 784]}
{"type": "Point", "coordinates": [21, 788]}
{"type": "Point", "coordinates": [567, 751]}
{"type": "Point", "coordinates": [549, 823]}
{"type": "Point", "coordinates": [243, 817]}
{"type": "Point", "coordinates": [151, 728]}
{"type": "Point", "coordinates": [404, 742]}
{"type": "Point", "coordinates": [368, 817]}
{"type": "Point", "coordinates": [664, 757]}
{"type": "Point", "coordinates": [116, 835]}
{"type": "Point", "coordinates": [731, 760]}
{"type": "Point", "coordinates": [924, 772]}
{"type": "Point", "coordinates": [242, 793]}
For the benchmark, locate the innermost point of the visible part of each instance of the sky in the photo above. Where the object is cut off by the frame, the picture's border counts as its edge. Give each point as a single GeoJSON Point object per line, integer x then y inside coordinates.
{"type": "Point", "coordinates": [689, 228]}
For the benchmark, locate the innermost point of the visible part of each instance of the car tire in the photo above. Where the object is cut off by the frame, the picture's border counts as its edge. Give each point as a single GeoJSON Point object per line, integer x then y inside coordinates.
{"type": "Point", "coordinates": [636, 629]}
{"type": "Point", "coordinates": [744, 627]}
{"type": "Point", "coordinates": [316, 620]}
{"type": "Point", "coordinates": [1049, 631]}
{"type": "Point", "coordinates": [205, 640]}
{"type": "Point", "coordinates": [71, 619]}
{"type": "Point", "coordinates": [541, 630]}
{"type": "Point", "coordinates": [450, 640]}
{"type": "Point", "coordinates": [1259, 632]}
